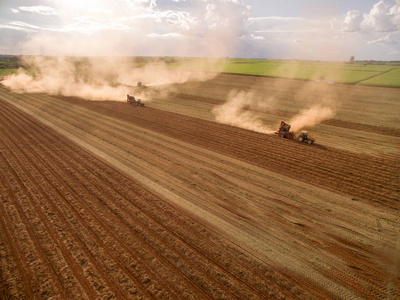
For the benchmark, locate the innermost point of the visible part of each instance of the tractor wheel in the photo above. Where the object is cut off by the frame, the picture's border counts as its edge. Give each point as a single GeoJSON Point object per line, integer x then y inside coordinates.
{"type": "Point", "coordinates": [309, 142]}
{"type": "Point", "coordinates": [300, 139]}
{"type": "Point", "coordinates": [282, 135]}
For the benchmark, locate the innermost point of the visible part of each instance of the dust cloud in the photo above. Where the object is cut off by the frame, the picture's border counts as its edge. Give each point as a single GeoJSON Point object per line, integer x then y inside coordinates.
{"type": "Point", "coordinates": [98, 78]}
{"type": "Point", "coordinates": [234, 112]}
{"type": "Point", "coordinates": [310, 103]}
{"type": "Point", "coordinates": [318, 102]}
{"type": "Point", "coordinates": [311, 116]}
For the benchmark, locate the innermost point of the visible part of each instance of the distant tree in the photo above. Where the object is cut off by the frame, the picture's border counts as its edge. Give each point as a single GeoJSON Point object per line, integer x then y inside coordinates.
{"type": "Point", "coordinates": [352, 60]}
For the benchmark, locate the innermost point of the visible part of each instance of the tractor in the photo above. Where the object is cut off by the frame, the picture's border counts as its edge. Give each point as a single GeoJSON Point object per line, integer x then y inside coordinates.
{"type": "Point", "coordinates": [284, 131]}
{"type": "Point", "coordinates": [305, 137]}
{"type": "Point", "coordinates": [133, 101]}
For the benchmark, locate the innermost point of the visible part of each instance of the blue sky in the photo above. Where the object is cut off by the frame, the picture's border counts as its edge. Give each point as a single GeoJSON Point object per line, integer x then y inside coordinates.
{"type": "Point", "coordinates": [285, 29]}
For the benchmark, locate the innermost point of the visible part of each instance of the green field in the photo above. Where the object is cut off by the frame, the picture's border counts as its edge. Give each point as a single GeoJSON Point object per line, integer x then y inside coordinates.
{"type": "Point", "coordinates": [5, 72]}
{"type": "Point", "coordinates": [391, 78]}
{"type": "Point", "coordinates": [384, 74]}
{"type": "Point", "coordinates": [338, 72]}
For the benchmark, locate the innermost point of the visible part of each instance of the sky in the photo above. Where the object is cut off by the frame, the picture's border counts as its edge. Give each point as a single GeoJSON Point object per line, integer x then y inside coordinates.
{"type": "Point", "coordinates": [273, 29]}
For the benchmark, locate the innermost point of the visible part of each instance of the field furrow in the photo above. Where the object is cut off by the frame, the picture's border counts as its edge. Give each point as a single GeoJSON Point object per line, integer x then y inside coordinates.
{"type": "Point", "coordinates": [66, 203]}
{"type": "Point", "coordinates": [102, 199]}
{"type": "Point", "coordinates": [339, 170]}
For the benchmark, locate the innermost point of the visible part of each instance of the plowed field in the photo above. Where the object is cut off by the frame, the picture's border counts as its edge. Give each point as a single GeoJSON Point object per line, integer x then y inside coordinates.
{"type": "Point", "coordinates": [106, 200]}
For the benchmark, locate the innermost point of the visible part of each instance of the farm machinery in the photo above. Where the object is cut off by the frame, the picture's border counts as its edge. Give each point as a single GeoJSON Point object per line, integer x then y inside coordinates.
{"type": "Point", "coordinates": [284, 132]}
{"type": "Point", "coordinates": [133, 101]}
{"type": "Point", "coordinates": [305, 137]}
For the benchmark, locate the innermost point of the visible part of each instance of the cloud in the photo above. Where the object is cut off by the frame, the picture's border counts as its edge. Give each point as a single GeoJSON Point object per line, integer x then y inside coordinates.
{"type": "Point", "coordinates": [195, 28]}
{"type": "Point", "coordinates": [43, 10]}
{"type": "Point", "coordinates": [381, 18]}
{"type": "Point", "coordinates": [143, 25]}
{"type": "Point", "coordinates": [389, 39]}
{"type": "Point", "coordinates": [352, 21]}
{"type": "Point", "coordinates": [256, 37]}
{"type": "Point", "coordinates": [170, 35]}
{"type": "Point", "coordinates": [23, 26]}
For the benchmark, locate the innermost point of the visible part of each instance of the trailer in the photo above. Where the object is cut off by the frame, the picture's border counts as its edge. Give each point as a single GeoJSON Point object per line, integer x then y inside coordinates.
{"type": "Point", "coordinates": [284, 131]}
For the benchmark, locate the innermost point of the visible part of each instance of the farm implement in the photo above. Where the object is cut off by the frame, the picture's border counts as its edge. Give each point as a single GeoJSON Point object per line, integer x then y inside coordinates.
{"type": "Point", "coordinates": [133, 101]}
{"type": "Point", "coordinates": [284, 132]}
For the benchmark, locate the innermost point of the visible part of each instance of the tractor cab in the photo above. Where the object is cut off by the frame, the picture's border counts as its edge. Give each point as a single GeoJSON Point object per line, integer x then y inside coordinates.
{"type": "Point", "coordinates": [304, 134]}
{"type": "Point", "coordinates": [305, 137]}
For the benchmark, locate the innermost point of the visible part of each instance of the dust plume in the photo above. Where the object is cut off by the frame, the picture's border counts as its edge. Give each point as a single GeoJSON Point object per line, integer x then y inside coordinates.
{"type": "Point", "coordinates": [111, 30]}
{"type": "Point", "coordinates": [160, 73]}
{"type": "Point", "coordinates": [233, 112]}
{"type": "Point", "coordinates": [317, 102]}
{"type": "Point", "coordinates": [98, 78]}
{"type": "Point", "coordinates": [313, 102]}
{"type": "Point", "coordinates": [63, 76]}
{"type": "Point", "coordinates": [311, 116]}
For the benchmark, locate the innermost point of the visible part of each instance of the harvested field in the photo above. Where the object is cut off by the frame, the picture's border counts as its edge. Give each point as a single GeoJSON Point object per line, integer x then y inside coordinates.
{"type": "Point", "coordinates": [103, 200]}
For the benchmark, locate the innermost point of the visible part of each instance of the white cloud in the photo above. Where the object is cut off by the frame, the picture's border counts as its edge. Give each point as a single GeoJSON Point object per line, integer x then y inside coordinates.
{"type": "Point", "coordinates": [165, 36]}
{"type": "Point", "coordinates": [43, 10]}
{"type": "Point", "coordinates": [18, 26]}
{"type": "Point", "coordinates": [352, 21]}
{"type": "Point", "coordinates": [24, 26]}
{"type": "Point", "coordinates": [256, 37]}
{"type": "Point", "coordinates": [387, 39]}
{"type": "Point", "coordinates": [381, 18]}
{"type": "Point", "coordinates": [199, 27]}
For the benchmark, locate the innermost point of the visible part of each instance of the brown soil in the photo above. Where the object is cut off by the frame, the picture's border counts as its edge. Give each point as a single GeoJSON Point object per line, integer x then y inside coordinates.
{"type": "Point", "coordinates": [74, 226]}
{"type": "Point", "coordinates": [361, 176]}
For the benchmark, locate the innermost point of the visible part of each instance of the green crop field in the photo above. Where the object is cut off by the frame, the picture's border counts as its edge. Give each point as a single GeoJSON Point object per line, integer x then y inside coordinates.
{"type": "Point", "coordinates": [358, 73]}
{"type": "Point", "coordinates": [305, 70]}
{"type": "Point", "coordinates": [391, 78]}
{"type": "Point", "coordinates": [5, 72]}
